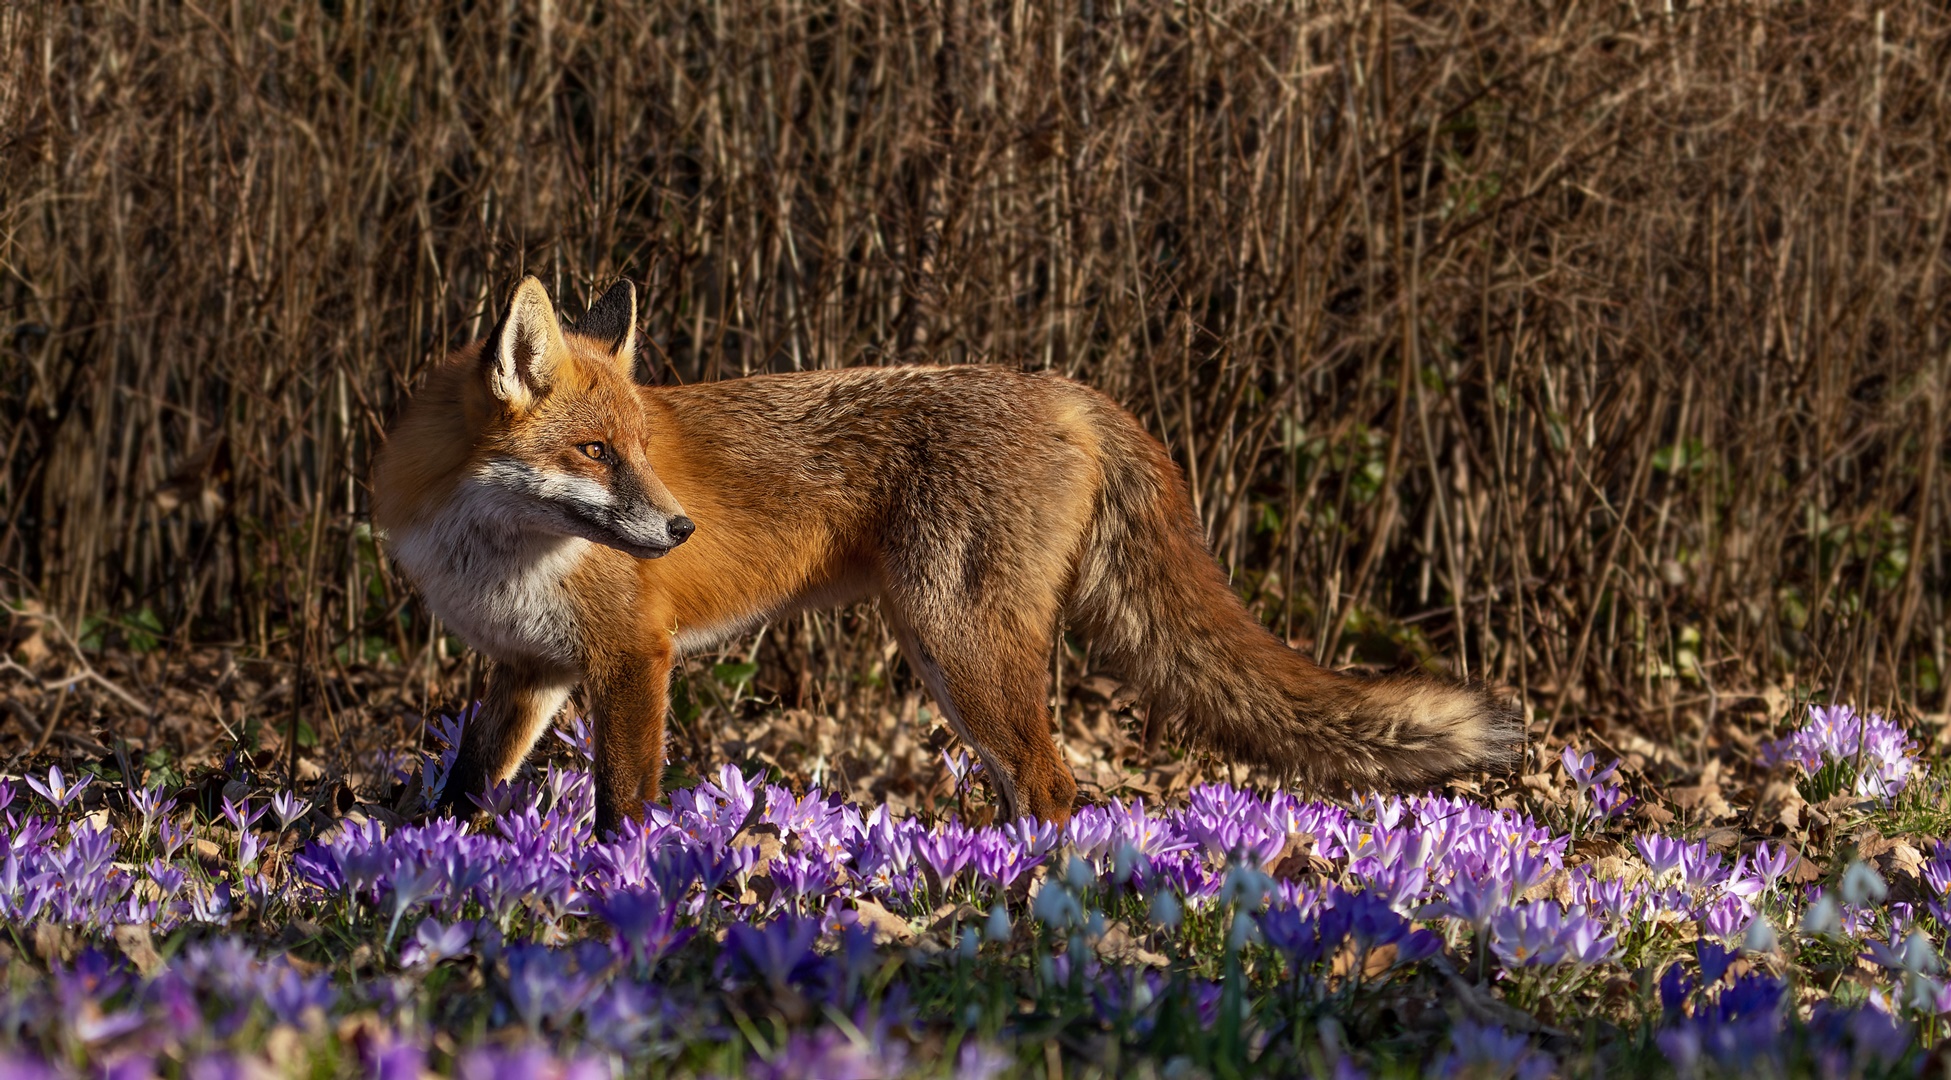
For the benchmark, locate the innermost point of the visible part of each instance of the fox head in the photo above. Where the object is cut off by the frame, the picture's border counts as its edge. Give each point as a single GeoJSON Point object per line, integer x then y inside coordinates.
{"type": "Point", "coordinates": [562, 432]}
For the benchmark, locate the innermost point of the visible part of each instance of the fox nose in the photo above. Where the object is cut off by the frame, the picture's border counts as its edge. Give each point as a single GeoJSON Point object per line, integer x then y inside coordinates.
{"type": "Point", "coordinates": [680, 529]}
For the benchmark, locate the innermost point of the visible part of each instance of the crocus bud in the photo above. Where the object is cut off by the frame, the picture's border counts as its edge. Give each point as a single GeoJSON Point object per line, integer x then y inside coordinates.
{"type": "Point", "coordinates": [1760, 937]}
{"type": "Point", "coordinates": [1862, 885]}
{"type": "Point", "coordinates": [1823, 917]}
{"type": "Point", "coordinates": [997, 928]}
{"type": "Point", "coordinates": [1165, 910]}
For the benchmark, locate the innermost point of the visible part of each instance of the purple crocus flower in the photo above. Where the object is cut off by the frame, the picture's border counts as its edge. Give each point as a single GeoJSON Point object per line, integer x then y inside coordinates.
{"type": "Point", "coordinates": [1307, 940]}
{"type": "Point", "coordinates": [1036, 838]}
{"type": "Point", "coordinates": [289, 808]}
{"type": "Point", "coordinates": [1585, 941]}
{"type": "Point", "coordinates": [1579, 767]}
{"type": "Point", "coordinates": [524, 1063]}
{"type": "Point", "coordinates": [1877, 750]}
{"type": "Point", "coordinates": [433, 942]}
{"type": "Point", "coordinates": [1473, 899]}
{"type": "Point", "coordinates": [291, 995]}
{"type": "Point", "coordinates": [645, 924]}
{"type": "Point", "coordinates": [1484, 1050]}
{"type": "Point", "coordinates": [882, 862]}
{"type": "Point", "coordinates": [1543, 933]}
{"type": "Point", "coordinates": [240, 815]}
{"type": "Point", "coordinates": [1151, 835]}
{"type": "Point", "coordinates": [1609, 801]}
{"type": "Point", "coordinates": [1089, 832]}
{"type": "Point", "coordinates": [801, 875]}
{"type": "Point", "coordinates": [150, 803]}
{"type": "Point", "coordinates": [1739, 1031]}
{"type": "Point", "coordinates": [999, 860]}
{"type": "Point", "coordinates": [959, 767]}
{"type": "Point", "coordinates": [1374, 924]}
{"type": "Point", "coordinates": [1771, 863]}
{"type": "Point", "coordinates": [1724, 917]}
{"type": "Point", "coordinates": [946, 851]}
{"type": "Point", "coordinates": [393, 1060]}
{"type": "Point", "coordinates": [1937, 872]}
{"type": "Point", "coordinates": [1664, 855]}
{"type": "Point", "coordinates": [411, 885]}
{"type": "Point", "coordinates": [1523, 871]}
{"type": "Point", "coordinates": [57, 790]}
{"type": "Point", "coordinates": [579, 738]}
{"type": "Point", "coordinates": [541, 986]}
{"type": "Point", "coordinates": [774, 952]}
{"type": "Point", "coordinates": [829, 1054]}
{"type": "Point", "coordinates": [503, 797]}
{"type": "Point", "coordinates": [1700, 866]}
{"type": "Point", "coordinates": [1913, 954]}
{"type": "Point", "coordinates": [1184, 873]}
{"type": "Point", "coordinates": [1714, 960]}
{"type": "Point", "coordinates": [624, 1015]}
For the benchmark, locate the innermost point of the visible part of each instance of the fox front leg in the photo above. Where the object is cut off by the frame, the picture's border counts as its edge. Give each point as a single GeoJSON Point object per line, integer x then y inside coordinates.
{"type": "Point", "coordinates": [628, 695]}
{"type": "Point", "coordinates": [519, 703]}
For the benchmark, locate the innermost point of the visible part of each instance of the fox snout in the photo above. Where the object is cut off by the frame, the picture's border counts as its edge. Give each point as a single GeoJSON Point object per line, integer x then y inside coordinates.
{"type": "Point", "coordinates": [653, 537]}
{"type": "Point", "coordinates": [646, 520]}
{"type": "Point", "coordinates": [648, 534]}
{"type": "Point", "coordinates": [632, 513]}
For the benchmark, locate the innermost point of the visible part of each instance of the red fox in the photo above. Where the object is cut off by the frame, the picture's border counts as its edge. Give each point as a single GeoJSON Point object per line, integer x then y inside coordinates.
{"type": "Point", "coordinates": [575, 526]}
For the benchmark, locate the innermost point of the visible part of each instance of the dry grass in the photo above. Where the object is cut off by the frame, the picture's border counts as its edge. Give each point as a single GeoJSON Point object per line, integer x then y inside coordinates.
{"type": "Point", "coordinates": [1604, 352]}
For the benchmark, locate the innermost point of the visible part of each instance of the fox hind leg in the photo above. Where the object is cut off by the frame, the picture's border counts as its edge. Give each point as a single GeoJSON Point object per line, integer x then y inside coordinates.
{"type": "Point", "coordinates": [987, 674]}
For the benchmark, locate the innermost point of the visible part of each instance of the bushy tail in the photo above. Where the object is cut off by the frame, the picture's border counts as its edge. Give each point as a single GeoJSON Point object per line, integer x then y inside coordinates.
{"type": "Point", "coordinates": [1155, 605]}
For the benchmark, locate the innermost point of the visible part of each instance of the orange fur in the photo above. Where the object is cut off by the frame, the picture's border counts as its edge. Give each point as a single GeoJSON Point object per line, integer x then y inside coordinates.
{"type": "Point", "coordinates": [543, 503]}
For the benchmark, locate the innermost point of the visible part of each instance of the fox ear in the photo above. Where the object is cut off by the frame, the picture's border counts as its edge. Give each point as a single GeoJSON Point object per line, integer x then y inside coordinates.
{"type": "Point", "coordinates": [523, 348]}
{"type": "Point", "coordinates": [612, 321]}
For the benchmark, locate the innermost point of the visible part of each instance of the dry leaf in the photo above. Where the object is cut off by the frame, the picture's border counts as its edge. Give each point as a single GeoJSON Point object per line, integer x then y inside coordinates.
{"type": "Point", "coordinates": [1378, 961]}
{"type": "Point", "coordinates": [766, 838]}
{"type": "Point", "coordinates": [1298, 860]}
{"type": "Point", "coordinates": [948, 915]}
{"type": "Point", "coordinates": [1608, 868]}
{"type": "Point", "coordinates": [1118, 946]}
{"type": "Point", "coordinates": [1704, 797]}
{"type": "Point", "coordinates": [134, 941]}
{"type": "Point", "coordinates": [1904, 858]}
{"type": "Point", "coordinates": [1725, 838]}
{"type": "Point", "coordinates": [1870, 843]}
{"type": "Point", "coordinates": [1780, 801]}
{"type": "Point", "coordinates": [1654, 813]}
{"type": "Point", "coordinates": [1592, 848]}
{"type": "Point", "coordinates": [885, 925]}
{"type": "Point", "coordinates": [1542, 783]}
{"type": "Point", "coordinates": [53, 942]}
{"type": "Point", "coordinates": [1803, 871]}
{"type": "Point", "coordinates": [1556, 887]}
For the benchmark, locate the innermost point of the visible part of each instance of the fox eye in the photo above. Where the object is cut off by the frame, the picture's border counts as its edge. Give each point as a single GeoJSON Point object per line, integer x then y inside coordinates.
{"type": "Point", "coordinates": [594, 451]}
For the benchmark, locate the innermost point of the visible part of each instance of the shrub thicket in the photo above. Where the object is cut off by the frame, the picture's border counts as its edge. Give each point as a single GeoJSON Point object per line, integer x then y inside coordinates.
{"type": "Point", "coordinates": [1585, 345]}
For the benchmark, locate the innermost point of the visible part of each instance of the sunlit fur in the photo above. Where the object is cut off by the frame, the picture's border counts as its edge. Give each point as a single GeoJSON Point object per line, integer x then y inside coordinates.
{"type": "Point", "coordinates": [979, 505]}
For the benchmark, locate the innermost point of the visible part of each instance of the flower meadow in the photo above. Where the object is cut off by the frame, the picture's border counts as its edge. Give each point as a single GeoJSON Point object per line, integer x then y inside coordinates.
{"type": "Point", "coordinates": [745, 930]}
